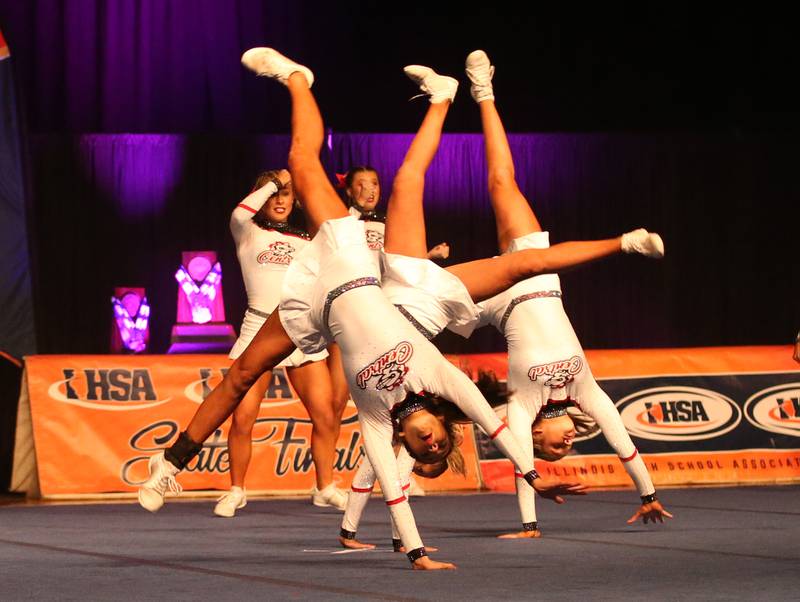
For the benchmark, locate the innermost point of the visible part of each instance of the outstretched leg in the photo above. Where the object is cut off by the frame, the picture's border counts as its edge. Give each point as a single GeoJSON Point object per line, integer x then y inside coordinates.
{"type": "Point", "coordinates": [320, 201]}
{"type": "Point", "coordinates": [513, 214]}
{"type": "Point", "coordinates": [485, 278]}
{"type": "Point", "coordinates": [405, 220]}
{"type": "Point", "coordinates": [269, 347]}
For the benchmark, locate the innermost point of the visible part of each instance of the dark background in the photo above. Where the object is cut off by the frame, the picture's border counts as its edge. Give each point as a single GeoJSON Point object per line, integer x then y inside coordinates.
{"type": "Point", "coordinates": [681, 122]}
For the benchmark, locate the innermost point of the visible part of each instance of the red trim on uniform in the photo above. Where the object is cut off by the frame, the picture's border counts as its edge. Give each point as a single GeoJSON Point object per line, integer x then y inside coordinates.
{"type": "Point", "coordinates": [631, 457]}
{"type": "Point", "coordinates": [399, 500]}
{"type": "Point", "coordinates": [406, 486]}
{"type": "Point", "coordinates": [519, 475]}
{"type": "Point", "coordinates": [498, 431]}
{"type": "Point", "coordinates": [361, 489]}
{"type": "Point", "coordinates": [243, 206]}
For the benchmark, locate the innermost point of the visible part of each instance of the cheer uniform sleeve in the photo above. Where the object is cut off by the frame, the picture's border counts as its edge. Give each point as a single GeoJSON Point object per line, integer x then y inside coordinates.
{"type": "Point", "coordinates": [456, 386]}
{"type": "Point", "coordinates": [519, 423]}
{"type": "Point", "coordinates": [245, 210]}
{"type": "Point", "coordinates": [376, 428]}
{"type": "Point", "coordinates": [603, 411]}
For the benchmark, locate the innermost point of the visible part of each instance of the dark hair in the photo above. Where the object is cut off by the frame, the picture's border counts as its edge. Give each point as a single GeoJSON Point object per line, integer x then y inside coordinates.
{"type": "Point", "coordinates": [350, 175]}
{"type": "Point", "coordinates": [495, 393]}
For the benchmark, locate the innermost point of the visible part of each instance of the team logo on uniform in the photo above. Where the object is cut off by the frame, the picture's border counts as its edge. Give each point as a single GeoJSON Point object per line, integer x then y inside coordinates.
{"type": "Point", "coordinates": [390, 369]}
{"type": "Point", "coordinates": [374, 239]}
{"type": "Point", "coordinates": [678, 414]}
{"type": "Point", "coordinates": [557, 375]}
{"type": "Point", "coordinates": [115, 389]}
{"type": "Point", "coordinates": [279, 252]}
{"type": "Point", "coordinates": [776, 409]}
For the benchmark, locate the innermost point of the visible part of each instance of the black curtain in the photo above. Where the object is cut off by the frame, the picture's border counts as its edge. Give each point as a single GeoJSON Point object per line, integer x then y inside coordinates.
{"type": "Point", "coordinates": [118, 210]}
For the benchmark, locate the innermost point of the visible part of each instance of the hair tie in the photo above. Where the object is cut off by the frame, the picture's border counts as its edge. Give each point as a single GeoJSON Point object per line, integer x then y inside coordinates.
{"type": "Point", "coordinates": [341, 180]}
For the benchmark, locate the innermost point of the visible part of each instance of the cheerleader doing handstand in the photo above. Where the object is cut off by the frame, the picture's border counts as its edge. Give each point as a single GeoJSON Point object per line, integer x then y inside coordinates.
{"type": "Point", "coordinates": [388, 363]}
{"type": "Point", "coordinates": [430, 297]}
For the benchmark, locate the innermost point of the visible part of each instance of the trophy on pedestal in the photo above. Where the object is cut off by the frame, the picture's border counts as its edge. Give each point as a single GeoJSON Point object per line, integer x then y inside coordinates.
{"type": "Point", "coordinates": [130, 331]}
{"type": "Point", "coordinates": [201, 326]}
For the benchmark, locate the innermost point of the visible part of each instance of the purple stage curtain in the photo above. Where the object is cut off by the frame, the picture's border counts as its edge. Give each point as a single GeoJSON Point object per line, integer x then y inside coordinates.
{"type": "Point", "coordinates": [118, 209]}
{"type": "Point", "coordinates": [729, 266]}
{"type": "Point", "coordinates": [151, 65]}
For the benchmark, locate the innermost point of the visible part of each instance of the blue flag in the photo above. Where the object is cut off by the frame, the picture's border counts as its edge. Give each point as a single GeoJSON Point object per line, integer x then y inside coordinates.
{"type": "Point", "coordinates": [17, 334]}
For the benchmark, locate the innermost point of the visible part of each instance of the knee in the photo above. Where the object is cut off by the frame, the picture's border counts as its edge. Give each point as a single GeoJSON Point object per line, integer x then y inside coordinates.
{"type": "Point", "coordinates": [325, 421]}
{"type": "Point", "coordinates": [241, 378]}
{"type": "Point", "coordinates": [340, 403]}
{"type": "Point", "coordinates": [501, 179]}
{"type": "Point", "coordinates": [242, 425]}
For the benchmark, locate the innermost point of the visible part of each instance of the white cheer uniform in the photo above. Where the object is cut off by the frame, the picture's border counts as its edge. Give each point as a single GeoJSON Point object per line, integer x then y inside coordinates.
{"type": "Point", "coordinates": [331, 293]}
{"type": "Point", "coordinates": [374, 232]}
{"type": "Point", "coordinates": [264, 256]}
{"type": "Point", "coordinates": [432, 299]}
{"type": "Point", "coordinates": [546, 363]}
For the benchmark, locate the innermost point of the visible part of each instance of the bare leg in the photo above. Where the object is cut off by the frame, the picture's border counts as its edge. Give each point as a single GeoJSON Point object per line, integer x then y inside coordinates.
{"type": "Point", "coordinates": [405, 220]}
{"type": "Point", "coordinates": [512, 213]}
{"type": "Point", "coordinates": [267, 349]}
{"type": "Point", "coordinates": [240, 436]}
{"type": "Point", "coordinates": [312, 382]}
{"type": "Point", "coordinates": [485, 278]}
{"type": "Point", "coordinates": [311, 184]}
{"type": "Point", "coordinates": [341, 392]}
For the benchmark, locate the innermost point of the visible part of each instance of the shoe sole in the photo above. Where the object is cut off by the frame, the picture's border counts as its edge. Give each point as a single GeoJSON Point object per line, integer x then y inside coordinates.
{"type": "Point", "coordinates": [232, 514]}
{"type": "Point", "coordinates": [144, 504]}
{"type": "Point", "coordinates": [327, 505]}
{"type": "Point", "coordinates": [253, 52]}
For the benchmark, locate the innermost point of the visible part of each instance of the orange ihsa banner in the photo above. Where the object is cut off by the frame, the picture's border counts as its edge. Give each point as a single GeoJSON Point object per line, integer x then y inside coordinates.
{"type": "Point", "coordinates": [98, 419]}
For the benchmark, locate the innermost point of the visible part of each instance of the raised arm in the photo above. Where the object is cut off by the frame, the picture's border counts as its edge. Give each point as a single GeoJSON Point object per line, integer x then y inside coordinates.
{"type": "Point", "coordinates": [253, 202]}
{"type": "Point", "coordinates": [600, 407]}
{"type": "Point", "coordinates": [376, 429]}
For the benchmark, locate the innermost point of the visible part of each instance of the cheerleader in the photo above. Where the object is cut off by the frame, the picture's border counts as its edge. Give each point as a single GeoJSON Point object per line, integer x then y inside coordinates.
{"type": "Point", "coordinates": [552, 384]}
{"type": "Point", "coordinates": [362, 189]}
{"type": "Point", "coordinates": [431, 298]}
{"type": "Point", "coordinates": [391, 368]}
{"type": "Point", "coordinates": [266, 243]}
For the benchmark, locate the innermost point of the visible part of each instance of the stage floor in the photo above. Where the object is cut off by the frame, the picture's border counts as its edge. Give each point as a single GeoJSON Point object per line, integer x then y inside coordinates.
{"type": "Point", "coordinates": [724, 544]}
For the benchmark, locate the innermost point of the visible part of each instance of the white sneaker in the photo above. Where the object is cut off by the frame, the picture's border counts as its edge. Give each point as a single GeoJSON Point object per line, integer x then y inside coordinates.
{"type": "Point", "coordinates": [331, 496]}
{"type": "Point", "coordinates": [646, 243]}
{"type": "Point", "coordinates": [438, 87]}
{"type": "Point", "coordinates": [480, 72]}
{"type": "Point", "coordinates": [162, 477]}
{"type": "Point", "coordinates": [271, 63]}
{"type": "Point", "coordinates": [230, 502]}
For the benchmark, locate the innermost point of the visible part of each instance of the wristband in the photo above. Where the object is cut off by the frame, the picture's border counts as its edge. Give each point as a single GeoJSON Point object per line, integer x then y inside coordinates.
{"type": "Point", "coordinates": [416, 554]}
{"type": "Point", "coordinates": [397, 545]}
{"type": "Point", "coordinates": [649, 499]}
{"type": "Point", "coordinates": [347, 534]}
{"type": "Point", "coordinates": [530, 526]}
{"type": "Point", "coordinates": [530, 477]}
